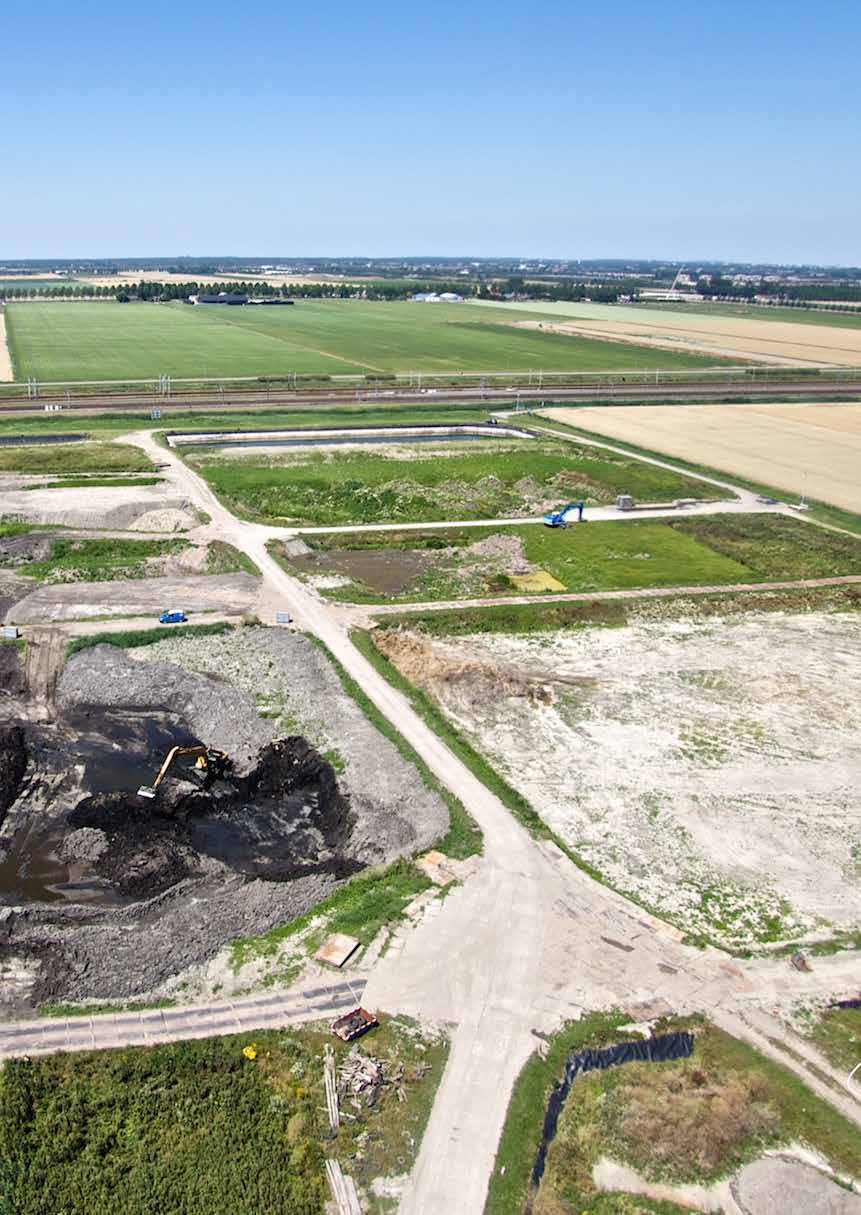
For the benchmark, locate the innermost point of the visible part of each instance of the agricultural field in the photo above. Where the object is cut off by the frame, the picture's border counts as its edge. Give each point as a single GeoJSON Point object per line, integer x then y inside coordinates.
{"type": "Point", "coordinates": [452, 481]}
{"type": "Point", "coordinates": [632, 1139]}
{"type": "Point", "coordinates": [755, 312]}
{"type": "Point", "coordinates": [111, 341]}
{"type": "Point", "coordinates": [801, 448]}
{"type": "Point", "coordinates": [404, 567]}
{"type": "Point", "coordinates": [700, 761]}
{"type": "Point", "coordinates": [742, 339]}
{"type": "Point", "coordinates": [200, 1127]}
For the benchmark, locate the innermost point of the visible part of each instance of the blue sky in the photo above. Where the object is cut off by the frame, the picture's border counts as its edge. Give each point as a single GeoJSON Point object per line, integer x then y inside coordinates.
{"type": "Point", "coordinates": [654, 129]}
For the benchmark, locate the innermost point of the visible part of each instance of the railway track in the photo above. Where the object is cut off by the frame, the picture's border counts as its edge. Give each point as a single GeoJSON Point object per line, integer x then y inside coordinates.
{"type": "Point", "coordinates": [184, 400]}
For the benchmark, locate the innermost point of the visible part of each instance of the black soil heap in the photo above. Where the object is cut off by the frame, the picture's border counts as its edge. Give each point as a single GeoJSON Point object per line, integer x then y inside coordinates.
{"type": "Point", "coordinates": [285, 819]}
{"type": "Point", "coordinates": [13, 762]}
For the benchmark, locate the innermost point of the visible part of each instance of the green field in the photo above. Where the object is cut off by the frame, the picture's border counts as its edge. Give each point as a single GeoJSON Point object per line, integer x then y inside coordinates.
{"type": "Point", "coordinates": [68, 458]}
{"type": "Point", "coordinates": [111, 341]}
{"type": "Point", "coordinates": [563, 310]}
{"type": "Point", "coordinates": [504, 478]}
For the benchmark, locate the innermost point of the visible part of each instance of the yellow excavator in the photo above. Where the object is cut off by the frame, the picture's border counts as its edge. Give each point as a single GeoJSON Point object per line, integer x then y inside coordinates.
{"type": "Point", "coordinates": [209, 766]}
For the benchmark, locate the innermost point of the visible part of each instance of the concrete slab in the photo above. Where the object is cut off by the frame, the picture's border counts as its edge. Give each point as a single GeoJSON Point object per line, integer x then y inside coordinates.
{"type": "Point", "coordinates": [337, 949]}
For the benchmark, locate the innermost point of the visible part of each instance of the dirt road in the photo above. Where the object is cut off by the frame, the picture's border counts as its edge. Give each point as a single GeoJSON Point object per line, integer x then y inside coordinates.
{"type": "Point", "coordinates": [528, 941]}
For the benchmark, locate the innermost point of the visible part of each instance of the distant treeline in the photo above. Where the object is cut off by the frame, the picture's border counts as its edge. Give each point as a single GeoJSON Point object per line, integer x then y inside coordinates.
{"type": "Point", "coordinates": [501, 289]}
{"type": "Point", "coordinates": [789, 293]}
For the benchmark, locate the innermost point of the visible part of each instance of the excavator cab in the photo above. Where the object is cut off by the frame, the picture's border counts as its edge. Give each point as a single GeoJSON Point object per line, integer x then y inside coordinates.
{"type": "Point", "coordinates": [210, 765]}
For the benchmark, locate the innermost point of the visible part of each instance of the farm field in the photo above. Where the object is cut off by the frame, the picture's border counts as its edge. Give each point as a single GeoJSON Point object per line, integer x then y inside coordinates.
{"type": "Point", "coordinates": [449, 482]}
{"type": "Point", "coordinates": [105, 341]}
{"type": "Point", "coordinates": [800, 448]}
{"type": "Point", "coordinates": [392, 567]}
{"type": "Point", "coordinates": [782, 343]}
{"type": "Point", "coordinates": [701, 763]}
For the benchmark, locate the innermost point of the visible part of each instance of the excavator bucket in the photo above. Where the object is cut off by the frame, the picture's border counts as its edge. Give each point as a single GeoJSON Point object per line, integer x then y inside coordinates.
{"type": "Point", "coordinates": [146, 791]}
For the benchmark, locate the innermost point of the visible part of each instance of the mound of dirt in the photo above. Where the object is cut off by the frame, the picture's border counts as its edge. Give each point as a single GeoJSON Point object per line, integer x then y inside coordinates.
{"type": "Point", "coordinates": [165, 520]}
{"type": "Point", "coordinates": [13, 762]}
{"type": "Point", "coordinates": [32, 546]}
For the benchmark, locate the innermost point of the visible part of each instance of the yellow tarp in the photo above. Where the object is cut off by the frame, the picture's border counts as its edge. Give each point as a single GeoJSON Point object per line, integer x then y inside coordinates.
{"type": "Point", "coordinates": [538, 580]}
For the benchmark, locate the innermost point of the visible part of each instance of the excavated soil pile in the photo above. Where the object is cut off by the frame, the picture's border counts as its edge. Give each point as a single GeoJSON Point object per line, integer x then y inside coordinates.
{"type": "Point", "coordinates": [31, 546]}
{"type": "Point", "coordinates": [285, 819]}
{"type": "Point", "coordinates": [13, 762]}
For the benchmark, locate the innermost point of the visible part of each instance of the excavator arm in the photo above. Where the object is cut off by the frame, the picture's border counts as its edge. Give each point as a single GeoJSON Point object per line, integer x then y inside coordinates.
{"type": "Point", "coordinates": [209, 763]}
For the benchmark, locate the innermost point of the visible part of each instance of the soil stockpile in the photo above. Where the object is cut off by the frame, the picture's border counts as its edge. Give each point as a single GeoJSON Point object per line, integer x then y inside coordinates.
{"type": "Point", "coordinates": [13, 762]}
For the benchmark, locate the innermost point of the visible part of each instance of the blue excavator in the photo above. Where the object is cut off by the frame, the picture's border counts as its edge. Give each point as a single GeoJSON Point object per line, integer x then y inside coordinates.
{"type": "Point", "coordinates": [559, 518]}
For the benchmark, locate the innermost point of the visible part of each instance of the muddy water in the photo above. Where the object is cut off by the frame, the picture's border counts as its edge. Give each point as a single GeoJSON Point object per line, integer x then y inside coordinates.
{"type": "Point", "coordinates": [116, 751]}
{"type": "Point", "coordinates": [385, 571]}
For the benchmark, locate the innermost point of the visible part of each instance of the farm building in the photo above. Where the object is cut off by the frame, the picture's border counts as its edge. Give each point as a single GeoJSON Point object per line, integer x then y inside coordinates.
{"type": "Point", "coordinates": [220, 297]}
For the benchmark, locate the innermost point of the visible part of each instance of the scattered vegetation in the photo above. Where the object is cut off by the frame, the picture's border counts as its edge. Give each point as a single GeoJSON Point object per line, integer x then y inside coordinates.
{"type": "Point", "coordinates": [225, 558]}
{"type": "Point", "coordinates": [775, 547]}
{"type": "Point", "coordinates": [74, 560]}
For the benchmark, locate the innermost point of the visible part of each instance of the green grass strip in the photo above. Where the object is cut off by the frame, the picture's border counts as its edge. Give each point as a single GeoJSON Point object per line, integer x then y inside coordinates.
{"type": "Point", "coordinates": [137, 637]}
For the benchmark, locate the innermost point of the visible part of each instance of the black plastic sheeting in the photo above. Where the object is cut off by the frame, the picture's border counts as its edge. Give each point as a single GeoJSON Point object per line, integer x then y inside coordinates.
{"type": "Point", "coordinates": [650, 1050]}
{"type": "Point", "coordinates": [845, 1004]}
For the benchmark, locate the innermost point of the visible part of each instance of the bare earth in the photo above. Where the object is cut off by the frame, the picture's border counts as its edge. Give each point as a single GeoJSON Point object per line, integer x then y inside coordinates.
{"type": "Point", "coordinates": [5, 359]}
{"type": "Point", "coordinates": [706, 768]}
{"type": "Point", "coordinates": [799, 448]}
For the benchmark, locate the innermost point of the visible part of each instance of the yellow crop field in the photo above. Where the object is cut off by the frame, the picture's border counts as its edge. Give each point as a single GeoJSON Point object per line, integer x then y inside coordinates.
{"type": "Point", "coordinates": [801, 448]}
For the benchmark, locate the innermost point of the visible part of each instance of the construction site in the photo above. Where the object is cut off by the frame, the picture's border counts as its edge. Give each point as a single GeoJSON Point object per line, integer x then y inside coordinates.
{"type": "Point", "coordinates": [515, 738]}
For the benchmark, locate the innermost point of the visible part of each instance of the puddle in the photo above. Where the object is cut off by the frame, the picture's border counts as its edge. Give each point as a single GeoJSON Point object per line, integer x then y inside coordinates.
{"type": "Point", "coordinates": [120, 751]}
{"type": "Point", "coordinates": [34, 873]}
{"type": "Point", "coordinates": [385, 571]}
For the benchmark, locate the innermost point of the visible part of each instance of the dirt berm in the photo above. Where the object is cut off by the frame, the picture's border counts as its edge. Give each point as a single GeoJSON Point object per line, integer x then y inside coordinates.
{"type": "Point", "coordinates": [108, 895]}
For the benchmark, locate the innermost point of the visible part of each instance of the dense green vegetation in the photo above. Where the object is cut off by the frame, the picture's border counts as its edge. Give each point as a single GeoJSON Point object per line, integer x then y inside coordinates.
{"type": "Point", "coordinates": [509, 478]}
{"type": "Point", "coordinates": [224, 558]}
{"type": "Point", "coordinates": [73, 458]}
{"type": "Point", "coordinates": [73, 560]}
{"type": "Point", "coordinates": [97, 483]}
{"type": "Point", "coordinates": [198, 1128]}
{"type": "Point", "coordinates": [774, 546]}
{"type": "Point", "coordinates": [688, 1120]}
{"type": "Point", "coordinates": [113, 341]}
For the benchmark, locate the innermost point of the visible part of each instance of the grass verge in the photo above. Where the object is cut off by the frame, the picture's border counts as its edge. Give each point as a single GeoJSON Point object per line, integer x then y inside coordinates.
{"type": "Point", "coordinates": [138, 637]}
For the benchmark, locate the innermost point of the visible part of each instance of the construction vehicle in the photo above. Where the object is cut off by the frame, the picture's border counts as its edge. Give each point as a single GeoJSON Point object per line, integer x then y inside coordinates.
{"type": "Point", "coordinates": [209, 766]}
{"type": "Point", "coordinates": [559, 518]}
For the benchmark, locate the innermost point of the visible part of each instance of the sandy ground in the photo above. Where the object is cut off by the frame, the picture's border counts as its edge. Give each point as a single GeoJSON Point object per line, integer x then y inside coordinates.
{"type": "Point", "coordinates": [798, 448]}
{"type": "Point", "coordinates": [148, 508]}
{"type": "Point", "coordinates": [230, 593]}
{"type": "Point", "coordinates": [706, 768]}
{"type": "Point", "coordinates": [6, 373]}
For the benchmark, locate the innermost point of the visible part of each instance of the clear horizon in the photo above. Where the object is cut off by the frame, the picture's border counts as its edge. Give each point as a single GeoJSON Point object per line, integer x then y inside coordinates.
{"type": "Point", "coordinates": [714, 132]}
